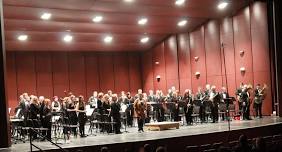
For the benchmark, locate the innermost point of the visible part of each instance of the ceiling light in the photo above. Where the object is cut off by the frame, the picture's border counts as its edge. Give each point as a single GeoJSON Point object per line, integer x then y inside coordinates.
{"type": "Point", "coordinates": [108, 39]}
{"type": "Point", "coordinates": [128, 1]}
{"type": "Point", "coordinates": [222, 5]}
{"type": "Point", "coordinates": [97, 19]}
{"type": "Point", "coordinates": [144, 39]}
{"type": "Point", "coordinates": [142, 21]}
{"type": "Point", "coordinates": [67, 38]}
{"type": "Point", "coordinates": [22, 37]}
{"type": "Point", "coordinates": [46, 16]}
{"type": "Point", "coordinates": [182, 23]}
{"type": "Point", "coordinates": [179, 2]}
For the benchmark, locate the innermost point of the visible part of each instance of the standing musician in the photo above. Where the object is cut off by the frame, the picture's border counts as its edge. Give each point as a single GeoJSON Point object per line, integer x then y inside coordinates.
{"type": "Point", "coordinates": [56, 106]}
{"type": "Point", "coordinates": [188, 109]}
{"type": "Point", "coordinates": [215, 99]}
{"type": "Point", "coordinates": [130, 109]}
{"type": "Point", "coordinates": [245, 98]}
{"type": "Point", "coordinates": [34, 113]}
{"type": "Point", "coordinates": [175, 111]}
{"type": "Point", "coordinates": [114, 113]}
{"type": "Point", "coordinates": [106, 111]}
{"type": "Point", "coordinates": [238, 95]}
{"type": "Point", "coordinates": [259, 97]}
{"type": "Point", "coordinates": [159, 98]}
{"type": "Point", "coordinates": [46, 118]}
{"type": "Point", "coordinates": [201, 96]}
{"type": "Point", "coordinates": [140, 108]}
{"type": "Point", "coordinates": [80, 108]}
{"type": "Point", "coordinates": [71, 112]}
{"type": "Point", "coordinates": [223, 96]}
{"type": "Point", "coordinates": [93, 100]}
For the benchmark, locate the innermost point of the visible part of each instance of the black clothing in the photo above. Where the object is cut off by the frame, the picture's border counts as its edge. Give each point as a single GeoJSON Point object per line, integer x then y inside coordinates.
{"type": "Point", "coordinates": [188, 109]}
{"type": "Point", "coordinates": [245, 98]}
{"type": "Point", "coordinates": [81, 119]}
{"type": "Point", "coordinates": [72, 118]}
{"type": "Point", "coordinates": [115, 108]}
{"type": "Point", "coordinates": [258, 103]}
{"type": "Point", "coordinates": [159, 109]}
{"type": "Point", "coordinates": [202, 110]}
{"type": "Point", "coordinates": [46, 121]}
{"type": "Point", "coordinates": [129, 111]}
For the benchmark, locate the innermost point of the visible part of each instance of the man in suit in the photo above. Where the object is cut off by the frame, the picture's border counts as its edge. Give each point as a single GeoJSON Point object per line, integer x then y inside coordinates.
{"type": "Point", "coordinates": [115, 109]}
{"type": "Point", "coordinates": [258, 100]}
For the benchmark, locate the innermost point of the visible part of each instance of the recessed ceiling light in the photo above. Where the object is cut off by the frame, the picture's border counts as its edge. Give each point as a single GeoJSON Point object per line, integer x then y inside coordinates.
{"type": "Point", "coordinates": [97, 19]}
{"type": "Point", "coordinates": [222, 5]}
{"type": "Point", "coordinates": [67, 38]}
{"type": "Point", "coordinates": [128, 1]}
{"type": "Point", "coordinates": [46, 16]}
{"type": "Point", "coordinates": [108, 39]}
{"type": "Point", "coordinates": [182, 23]}
{"type": "Point", "coordinates": [22, 37]}
{"type": "Point", "coordinates": [142, 21]}
{"type": "Point", "coordinates": [144, 39]}
{"type": "Point", "coordinates": [179, 2]}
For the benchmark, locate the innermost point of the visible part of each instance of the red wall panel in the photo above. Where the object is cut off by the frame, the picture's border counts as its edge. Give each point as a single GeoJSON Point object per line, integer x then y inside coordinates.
{"type": "Point", "coordinates": [11, 84]}
{"type": "Point", "coordinates": [60, 73]}
{"type": "Point", "coordinates": [184, 62]}
{"type": "Point", "coordinates": [77, 73]}
{"type": "Point", "coordinates": [135, 77]}
{"type": "Point", "coordinates": [198, 50]}
{"type": "Point", "coordinates": [26, 76]}
{"type": "Point", "coordinates": [159, 67]}
{"type": "Point", "coordinates": [106, 74]}
{"type": "Point", "coordinates": [92, 73]}
{"type": "Point", "coordinates": [213, 53]}
{"type": "Point", "coordinates": [147, 71]}
{"type": "Point", "coordinates": [121, 72]}
{"type": "Point", "coordinates": [171, 62]}
{"type": "Point", "coordinates": [260, 47]}
{"type": "Point", "coordinates": [43, 62]}
{"type": "Point", "coordinates": [242, 42]}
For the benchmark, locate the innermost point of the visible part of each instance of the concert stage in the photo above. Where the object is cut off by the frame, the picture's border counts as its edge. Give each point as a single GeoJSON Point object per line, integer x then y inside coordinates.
{"type": "Point", "coordinates": [175, 140]}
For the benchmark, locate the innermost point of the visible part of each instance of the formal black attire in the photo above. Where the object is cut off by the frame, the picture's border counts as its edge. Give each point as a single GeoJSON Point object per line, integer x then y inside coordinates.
{"type": "Point", "coordinates": [106, 117]}
{"type": "Point", "coordinates": [33, 117]}
{"type": "Point", "coordinates": [245, 98]}
{"type": "Point", "coordinates": [202, 110]}
{"type": "Point", "coordinates": [81, 119]}
{"type": "Point", "coordinates": [115, 114]}
{"type": "Point", "coordinates": [46, 121]}
{"type": "Point", "coordinates": [175, 110]}
{"type": "Point", "coordinates": [188, 108]}
{"type": "Point", "coordinates": [214, 106]}
{"type": "Point", "coordinates": [240, 103]}
{"type": "Point", "coordinates": [129, 111]}
{"type": "Point", "coordinates": [159, 110]}
{"type": "Point", "coordinates": [73, 120]}
{"type": "Point", "coordinates": [258, 103]}
{"type": "Point", "coordinates": [223, 96]}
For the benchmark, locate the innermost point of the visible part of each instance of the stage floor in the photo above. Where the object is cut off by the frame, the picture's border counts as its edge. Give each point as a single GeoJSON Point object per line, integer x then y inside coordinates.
{"type": "Point", "coordinates": [134, 136]}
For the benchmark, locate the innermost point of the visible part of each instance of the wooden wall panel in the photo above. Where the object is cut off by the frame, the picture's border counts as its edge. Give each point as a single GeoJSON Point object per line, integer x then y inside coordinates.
{"type": "Point", "coordinates": [159, 65]}
{"type": "Point", "coordinates": [260, 47]}
{"type": "Point", "coordinates": [184, 62]}
{"type": "Point", "coordinates": [147, 71]}
{"type": "Point", "coordinates": [77, 73]}
{"type": "Point", "coordinates": [44, 85]}
{"type": "Point", "coordinates": [198, 50]}
{"type": "Point", "coordinates": [213, 53]}
{"type": "Point", "coordinates": [92, 73]}
{"type": "Point", "coordinates": [135, 77]}
{"type": "Point", "coordinates": [12, 91]}
{"type": "Point", "coordinates": [171, 62]}
{"type": "Point", "coordinates": [26, 76]}
{"type": "Point", "coordinates": [242, 42]}
{"type": "Point", "coordinates": [60, 73]}
{"type": "Point", "coordinates": [121, 72]}
{"type": "Point", "coordinates": [106, 74]}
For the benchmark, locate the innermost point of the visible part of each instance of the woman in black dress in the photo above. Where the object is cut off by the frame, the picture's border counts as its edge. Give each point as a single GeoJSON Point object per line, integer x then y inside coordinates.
{"type": "Point", "coordinates": [72, 116]}
{"type": "Point", "coordinates": [106, 109]}
{"type": "Point", "coordinates": [80, 108]}
{"type": "Point", "coordinates": [34, 114]}
{"type": "Point", "coordinates": [46, 115]}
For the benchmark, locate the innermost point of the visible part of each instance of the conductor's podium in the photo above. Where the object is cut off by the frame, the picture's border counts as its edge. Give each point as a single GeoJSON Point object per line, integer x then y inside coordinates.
{"type": "Point", "coordinates": [159, 126]}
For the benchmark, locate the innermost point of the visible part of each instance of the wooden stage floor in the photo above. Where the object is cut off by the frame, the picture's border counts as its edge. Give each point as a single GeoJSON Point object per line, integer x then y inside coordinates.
{"type": "Point", "coordinates": [134, 136]}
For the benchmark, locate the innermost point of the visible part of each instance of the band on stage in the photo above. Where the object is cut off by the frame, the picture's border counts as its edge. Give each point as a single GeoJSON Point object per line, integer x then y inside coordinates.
{"type": "Point", "coordinates": [113, 110]}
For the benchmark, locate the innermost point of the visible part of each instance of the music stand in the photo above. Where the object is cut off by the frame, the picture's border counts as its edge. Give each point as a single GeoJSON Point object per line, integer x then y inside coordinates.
{"type": "Point", "coordinates": [229, 101]}
{"type": "Point", "coordinates": [124, 118]}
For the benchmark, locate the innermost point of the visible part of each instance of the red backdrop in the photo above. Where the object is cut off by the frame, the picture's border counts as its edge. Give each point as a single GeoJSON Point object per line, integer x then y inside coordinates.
{"type": "Point", "coordinates": [51, 73]}
{"type": "Point", "coordinates": [245, 31]}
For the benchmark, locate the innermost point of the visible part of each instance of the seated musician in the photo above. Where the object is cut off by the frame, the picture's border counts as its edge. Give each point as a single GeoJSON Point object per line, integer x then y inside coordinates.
{"type": "Point", "coordinates": [56, 105]}
{"type": "Point", "coordinates": [188, 109]}
{"type": "Point", "coordinates": [93, 100]}
{"type": "Point", "coordinates": [115, 113]}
